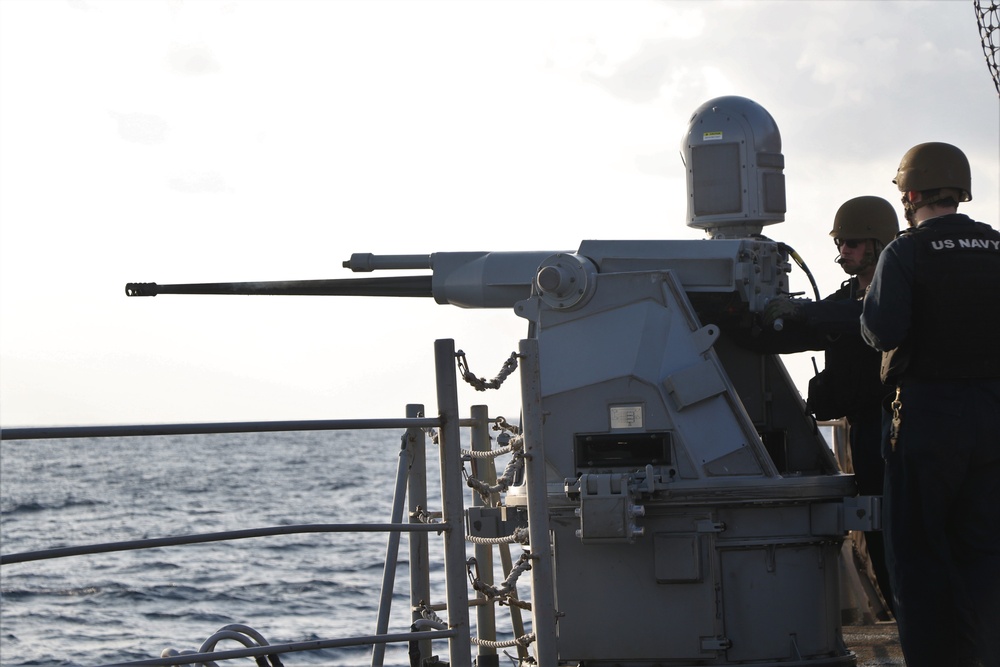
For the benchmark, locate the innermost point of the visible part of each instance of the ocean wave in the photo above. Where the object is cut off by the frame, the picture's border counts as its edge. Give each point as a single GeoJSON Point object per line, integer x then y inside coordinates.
{"type": "Point", "coordinates": [113, 607]}
{"type": "Point", "coordinates": [25, 592]}
{"type": "Point", "coordinates": [13, 507]}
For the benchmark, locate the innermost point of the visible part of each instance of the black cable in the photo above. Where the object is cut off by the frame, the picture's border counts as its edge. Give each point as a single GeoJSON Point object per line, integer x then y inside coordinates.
{"type": "Point", "coordinates": [802, 265]}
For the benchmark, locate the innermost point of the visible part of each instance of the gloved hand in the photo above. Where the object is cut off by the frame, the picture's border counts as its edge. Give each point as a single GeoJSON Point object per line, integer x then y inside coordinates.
{"type": "Point", "coordinates": [783, 308]}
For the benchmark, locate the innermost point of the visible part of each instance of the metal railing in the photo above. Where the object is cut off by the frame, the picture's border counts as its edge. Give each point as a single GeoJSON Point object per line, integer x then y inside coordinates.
{"type": "Point", "coordinates": [411, 483]}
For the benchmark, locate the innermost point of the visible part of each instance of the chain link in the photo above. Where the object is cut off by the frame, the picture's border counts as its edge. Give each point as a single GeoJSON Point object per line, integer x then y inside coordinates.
{"type": "Point", "coordinates": [506, 593]}
{"type": "Point", "coordinates": [481, 384]}
{"type": "Point", "coordinates": [501, 424]}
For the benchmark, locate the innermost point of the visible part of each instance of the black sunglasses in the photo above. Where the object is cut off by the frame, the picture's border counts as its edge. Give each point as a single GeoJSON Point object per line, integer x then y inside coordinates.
{"type": "Point", "coordinates": [850, 243]}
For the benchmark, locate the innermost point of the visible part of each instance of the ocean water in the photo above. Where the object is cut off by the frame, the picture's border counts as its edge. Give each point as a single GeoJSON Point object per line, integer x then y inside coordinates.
{"type": "Point", "coordinates": [106, 608]}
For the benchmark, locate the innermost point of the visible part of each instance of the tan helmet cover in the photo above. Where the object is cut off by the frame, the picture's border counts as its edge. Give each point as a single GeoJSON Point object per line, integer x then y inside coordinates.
{"type": "Point", "coordinates": [932, 166]}
{"type": "Point", "coordinates": [866, 218]}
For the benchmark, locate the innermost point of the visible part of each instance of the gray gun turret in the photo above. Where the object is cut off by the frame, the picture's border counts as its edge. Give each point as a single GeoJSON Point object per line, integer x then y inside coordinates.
{"type": "Point", "coordinates": [752, 269]}
{"type": "Point", "coordinates": [683, 485]}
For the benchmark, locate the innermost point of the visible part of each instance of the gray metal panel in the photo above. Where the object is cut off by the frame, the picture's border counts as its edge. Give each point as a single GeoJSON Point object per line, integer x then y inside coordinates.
{"type": "Point", "coordinates": [781, 601]}
{"type": "Point", "coordinates": [717, 180]}
{"type": "Point", "coordinates": [645, 621]}
{"type": "Point", "coordinates": [640, 328]}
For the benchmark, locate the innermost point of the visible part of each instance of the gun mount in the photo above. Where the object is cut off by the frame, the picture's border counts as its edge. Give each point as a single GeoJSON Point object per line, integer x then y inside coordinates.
{"type": "Point", "coordinates": [753, 270]}
{"type": "Point", "coordinates": [683, 484]}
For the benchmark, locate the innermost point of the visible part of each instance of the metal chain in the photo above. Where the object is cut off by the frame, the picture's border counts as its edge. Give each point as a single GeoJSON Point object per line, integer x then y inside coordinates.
{"type": "Point", "coordinates": [428, 614]}
{"type": "Point", "coordinates": [506, 593]}
{"type": "Point", "coordinates": [501, 424]}
{"type": "Point", "coordinates": [420, 515]}
{"type": "Point", "coordinates": [481, 384]}
{"type": "Point", "coordinates": [504, 481]}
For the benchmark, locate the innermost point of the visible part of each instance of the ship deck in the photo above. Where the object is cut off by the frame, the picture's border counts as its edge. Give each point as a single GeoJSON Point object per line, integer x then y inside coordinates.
{"type": "Point", "coordinates": [876, 645]}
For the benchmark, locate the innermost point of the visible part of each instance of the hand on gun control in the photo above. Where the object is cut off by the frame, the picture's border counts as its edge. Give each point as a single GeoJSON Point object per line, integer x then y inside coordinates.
{"type": "Point", "coordinates": [783, 308]}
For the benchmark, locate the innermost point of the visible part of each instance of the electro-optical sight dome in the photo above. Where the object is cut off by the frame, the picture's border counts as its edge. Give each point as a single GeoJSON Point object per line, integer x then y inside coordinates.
{"type": "Point", "coordinates": [735, 184]}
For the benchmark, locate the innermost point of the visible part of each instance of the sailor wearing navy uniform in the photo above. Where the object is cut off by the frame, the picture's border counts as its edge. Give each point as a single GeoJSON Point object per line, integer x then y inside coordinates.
{"type": "Point", "coordinates": [933, 309]}
{"type": "Point", "coordinates": [849, 385]}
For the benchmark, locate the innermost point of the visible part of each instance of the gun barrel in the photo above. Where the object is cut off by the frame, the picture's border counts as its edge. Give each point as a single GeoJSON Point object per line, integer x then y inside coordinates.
{"type": "Point", "coordinates": [366, 261]}
{"type": "Point", "coordinates": [416, 286]}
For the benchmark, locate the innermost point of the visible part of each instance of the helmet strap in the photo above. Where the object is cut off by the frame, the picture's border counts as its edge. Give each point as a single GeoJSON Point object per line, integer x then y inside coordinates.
{"type": "Point", "coordinates": [910, 206]}
{"type": "Point", "coordinates": [909, 209]}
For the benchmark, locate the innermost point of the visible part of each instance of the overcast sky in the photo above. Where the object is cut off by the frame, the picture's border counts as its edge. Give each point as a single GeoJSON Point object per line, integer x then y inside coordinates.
{"type": "Point", "coordinates": [175, 142]}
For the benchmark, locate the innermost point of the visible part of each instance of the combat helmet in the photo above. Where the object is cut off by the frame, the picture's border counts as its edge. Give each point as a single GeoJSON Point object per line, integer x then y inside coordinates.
{"type": "Point", "coordinates": [934, 166]}
{"type": "Point", "coordinates": [866, 217]}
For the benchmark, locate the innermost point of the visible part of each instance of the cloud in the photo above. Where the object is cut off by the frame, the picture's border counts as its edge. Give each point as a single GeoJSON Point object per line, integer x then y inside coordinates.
{"type": "Point", "coordinates": [192, 60]}
{"type": "Point", "coordinates": [315, 129]}
{"type": "Point", "coordinates": [207, 182]}
{"type": "Point", "coordinates": [141, 128]}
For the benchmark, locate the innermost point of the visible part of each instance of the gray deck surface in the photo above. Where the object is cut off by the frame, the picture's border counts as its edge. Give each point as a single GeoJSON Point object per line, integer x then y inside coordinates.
{"type": "Point", "coordinates": [875, 645]}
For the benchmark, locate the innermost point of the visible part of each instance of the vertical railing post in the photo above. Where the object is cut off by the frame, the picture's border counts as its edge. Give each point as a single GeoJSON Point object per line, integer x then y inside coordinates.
{"type": "Point", "coordinates": [452, 497]}
{"type": "Point", "coordinates": [420, 580]}
{"type": "Point", "coordinates": [391, 552]}
{"type": "Point", "coordinates": [486, 622]}
{"type": "Point", "coordinates": [543, 607]}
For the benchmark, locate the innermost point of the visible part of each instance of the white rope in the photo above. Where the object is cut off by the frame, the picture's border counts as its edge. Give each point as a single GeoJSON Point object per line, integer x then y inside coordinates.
{"type": "Point", "coordinates": [486, 453]}
{"type": "Point", "coordinates": [425, 623]}
{"type": "Point", "coordinates": [428, 614]}
{"type": "Point", "coordinates": [504, 482]}
{"type": "Point", "coordinates": [519, 536]}
{"type": "Point", "coordinates": [523, 640]}
{"type": "Point", "coordinates": [515, 444]}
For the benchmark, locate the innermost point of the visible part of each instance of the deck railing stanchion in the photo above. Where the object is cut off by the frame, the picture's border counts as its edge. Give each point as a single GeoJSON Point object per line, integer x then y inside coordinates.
{"type": "Point", "coordinates": [453, 509]}
{"type": "Point", "coordinates": [420, 583]}
{"type": "Point", "coordinates": [543, 608]}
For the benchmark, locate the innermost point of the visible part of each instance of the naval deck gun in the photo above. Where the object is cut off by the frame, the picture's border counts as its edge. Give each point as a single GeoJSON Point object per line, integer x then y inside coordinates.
{"type": "Point", "coordinates": [682, 483]}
